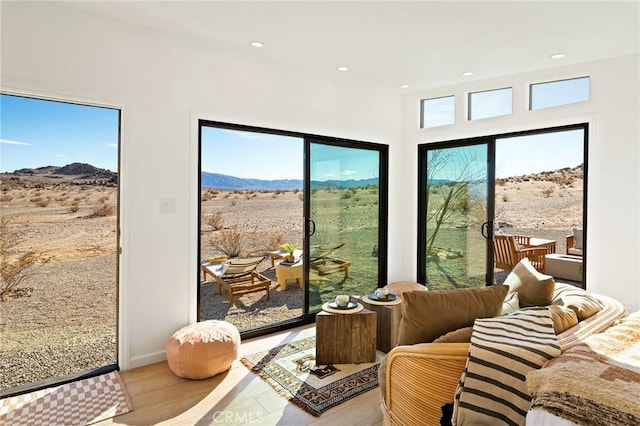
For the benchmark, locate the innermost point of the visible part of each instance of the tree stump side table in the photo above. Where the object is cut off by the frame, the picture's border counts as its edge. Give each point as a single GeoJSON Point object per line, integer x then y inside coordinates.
{"type": "Point", "coordinates": [388, 321]}
{"type": "Point", "coordinates": [345, 338]}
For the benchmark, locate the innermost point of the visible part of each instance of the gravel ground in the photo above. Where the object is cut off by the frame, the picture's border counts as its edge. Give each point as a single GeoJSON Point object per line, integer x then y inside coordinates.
{"type": "Point", "coordinates": [67, 325]}
{"type": "Point", "coordinates": [252, 309]}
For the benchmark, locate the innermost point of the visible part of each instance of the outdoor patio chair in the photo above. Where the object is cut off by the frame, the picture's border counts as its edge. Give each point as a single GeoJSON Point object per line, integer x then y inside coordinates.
{"type": "Point", "coordinates": [574, 243]}
{"type": "Point", "coordinates": [510, 249]}
{"type": "Point", "coordinates": [322, 260]}
{"type": "Point", "coordinates": [239, 276]}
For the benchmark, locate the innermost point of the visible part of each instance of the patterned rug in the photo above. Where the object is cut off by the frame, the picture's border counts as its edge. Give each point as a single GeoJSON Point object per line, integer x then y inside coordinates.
{"type": "Point", "coordinates": [291, 370]}
{"type": "Point", "coordinates": [78, 403]}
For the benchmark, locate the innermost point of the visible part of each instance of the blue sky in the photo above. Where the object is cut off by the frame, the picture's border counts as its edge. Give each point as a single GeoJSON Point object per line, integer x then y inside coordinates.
{"type": "Point", "coordinates": [539, 153]}
{"type": "Point", "coordinates": [267, 156]}
{"type": "Point", "coordinates": [36, 133]}
{"type": "Point", "coordinates": [251, 155]}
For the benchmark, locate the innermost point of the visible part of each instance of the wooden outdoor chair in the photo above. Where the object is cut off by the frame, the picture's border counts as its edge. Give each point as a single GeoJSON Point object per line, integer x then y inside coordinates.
{"type": "Point", "coordinates": [240, 277]}
{"type": "Point", "coordinates": [510, 249]}
{"type": "Point", "coordinates": [321, 260]}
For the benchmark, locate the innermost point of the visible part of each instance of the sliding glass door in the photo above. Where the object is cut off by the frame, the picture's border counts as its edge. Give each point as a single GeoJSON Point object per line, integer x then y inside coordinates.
{"type": "Point", "coordinates": [347, 205]}
{"type": "Point", "coordinates": [529, 187]}
{"type": "Point", "coordinates": [454, 192]}
{"type": "Point", "coordinates": [263, 191]}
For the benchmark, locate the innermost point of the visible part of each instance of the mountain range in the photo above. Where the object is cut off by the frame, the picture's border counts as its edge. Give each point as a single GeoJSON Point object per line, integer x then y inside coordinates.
{"type": "Point", "coordinates": [220, 181]}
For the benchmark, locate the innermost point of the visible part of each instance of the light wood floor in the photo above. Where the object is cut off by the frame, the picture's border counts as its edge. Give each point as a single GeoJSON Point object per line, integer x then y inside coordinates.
{"type": "Point", "coordinates": [238, 397]}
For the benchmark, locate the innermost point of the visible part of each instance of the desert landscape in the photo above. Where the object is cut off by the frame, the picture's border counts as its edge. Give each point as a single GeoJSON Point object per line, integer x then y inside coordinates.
{"type": "Point", "coordinates": [62, 317]}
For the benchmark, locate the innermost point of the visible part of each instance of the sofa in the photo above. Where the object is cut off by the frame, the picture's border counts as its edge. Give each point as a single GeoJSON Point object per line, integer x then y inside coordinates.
{"type": "Point", "coordinates": [420, 375]}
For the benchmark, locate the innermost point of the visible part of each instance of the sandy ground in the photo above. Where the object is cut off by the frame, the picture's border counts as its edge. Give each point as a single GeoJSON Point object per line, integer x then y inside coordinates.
{"type": "Point", "coordinates": [68, 322]}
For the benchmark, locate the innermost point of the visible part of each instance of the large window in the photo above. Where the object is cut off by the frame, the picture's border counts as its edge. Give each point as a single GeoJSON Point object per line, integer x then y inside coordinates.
{"type": "Point", "coordinates": [529, 185]}
{"type": "Point", "coordinates": [264, 191]}
{"type": "Point", "coordinates": [59, 233]}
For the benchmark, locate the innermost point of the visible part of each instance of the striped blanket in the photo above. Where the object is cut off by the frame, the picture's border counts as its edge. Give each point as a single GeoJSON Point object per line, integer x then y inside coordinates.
{"type": "Point", "coordinates": [492, 389]}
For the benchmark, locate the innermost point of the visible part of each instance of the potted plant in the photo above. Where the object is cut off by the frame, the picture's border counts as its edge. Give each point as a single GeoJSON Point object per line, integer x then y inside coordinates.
{"type": "Point", "coordinates": [289, 249]}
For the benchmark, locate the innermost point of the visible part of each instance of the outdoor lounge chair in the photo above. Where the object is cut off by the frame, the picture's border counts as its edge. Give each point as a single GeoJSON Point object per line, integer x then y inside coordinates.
{"type": "Point", "coordinates": [574, 243]}
{"type": "Point", "coordinates": [510, 249]}
{"type": "Point", "coordinates": [321, 260]}
{"type": "Point", "coordinates": [238, 277]}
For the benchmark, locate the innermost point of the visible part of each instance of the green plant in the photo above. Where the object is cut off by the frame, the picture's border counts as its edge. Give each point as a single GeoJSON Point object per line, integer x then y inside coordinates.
{"type": "Point", "coordinates": [290, 250]}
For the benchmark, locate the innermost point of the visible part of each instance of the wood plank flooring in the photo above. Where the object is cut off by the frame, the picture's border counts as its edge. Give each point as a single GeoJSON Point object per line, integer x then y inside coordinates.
{"type": "Point", "coordinates": [238, 397]}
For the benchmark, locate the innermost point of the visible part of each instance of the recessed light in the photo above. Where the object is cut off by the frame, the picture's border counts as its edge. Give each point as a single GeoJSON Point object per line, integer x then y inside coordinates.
{"type": "Point", "coordinates": [467, 74]}
{"type": "Point", "coordinates": [558, 56]}
{"type": "Point", "coordinates": [343, 68]}
{"type": "Point", "coordinates": [404, 86]}
{"type": "Point", "coordinates": [257, 44]}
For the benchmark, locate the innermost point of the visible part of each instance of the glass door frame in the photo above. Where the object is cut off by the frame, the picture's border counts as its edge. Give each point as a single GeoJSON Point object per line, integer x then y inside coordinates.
{"type": "Point", "coordinates": [383, 204]}
{"type": "Point", "coordinates": [491, 144]}
{"type": "Point", "coordinates": [423, 150]}
{"type": "Point", "coordinates": [306, 318]}
{"type": "Point", "coordinates": [115, 366]}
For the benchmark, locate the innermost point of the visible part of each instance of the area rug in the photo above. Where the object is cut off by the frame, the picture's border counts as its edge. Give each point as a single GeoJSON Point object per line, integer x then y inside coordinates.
{"type": "Point", "coordinates": [291, 370]}
{"type": "Point", "coordinates": [82, 402]}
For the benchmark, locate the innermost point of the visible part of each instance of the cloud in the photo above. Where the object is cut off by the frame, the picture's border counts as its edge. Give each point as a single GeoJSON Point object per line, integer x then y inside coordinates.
{"type": "Point", "coordinates": [112, 145]}
{"type": "Point", "coordinates": [348, 172]}
{"type": "Point", "coordinates": [9, 142]}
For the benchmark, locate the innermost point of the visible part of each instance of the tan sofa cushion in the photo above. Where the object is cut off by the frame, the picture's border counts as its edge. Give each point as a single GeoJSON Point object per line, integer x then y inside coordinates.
{"type": "Point", "coordinates": [427, 315]}
{"type": "Point", "coordinates": [533, 287]}
{"type": "Point", "coordinates": [577, 299]}
{"type": "Point", "coordinates": [563, 318]}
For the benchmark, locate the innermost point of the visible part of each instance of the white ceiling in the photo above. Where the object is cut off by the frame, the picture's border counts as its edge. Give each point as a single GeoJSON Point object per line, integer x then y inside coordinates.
{"type": "Point", "coordinates": [388, 43]}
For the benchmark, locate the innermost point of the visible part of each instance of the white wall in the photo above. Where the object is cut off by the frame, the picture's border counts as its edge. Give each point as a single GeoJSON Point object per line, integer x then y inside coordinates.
{"type": "Point", "coordinates": [613, 198]}
{"type": "Point", "coordinates": [164, 84]}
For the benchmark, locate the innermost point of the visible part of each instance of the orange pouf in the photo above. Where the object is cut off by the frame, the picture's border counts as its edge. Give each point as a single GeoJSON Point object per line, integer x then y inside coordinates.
{"type": "Point", "coordinates": [203, 349]}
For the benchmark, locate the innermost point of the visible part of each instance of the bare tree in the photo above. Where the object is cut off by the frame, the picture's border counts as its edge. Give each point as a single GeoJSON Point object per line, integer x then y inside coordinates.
{"type": "Point", "coordinates": [449, 175]}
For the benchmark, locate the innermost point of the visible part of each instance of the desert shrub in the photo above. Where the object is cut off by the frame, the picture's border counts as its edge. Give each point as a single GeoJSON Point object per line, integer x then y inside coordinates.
{"type": "Point", "coordinates": [300, 196]}
{"type": "Point", "coordinates": [102, 209]}
{"type": "Point", "coordinates": [103, 199]}
{"type": "Point", "coordinates": [36, 200]}
{"type": "Point", "coordinates": [295, 191]}
{"type": "Point", "coordinates": [233, 203]}
{"type": "Point", "coordinates": [505, 198]}
{"type": "Point", "coordinates": [44, 202]}
{"type": "Point", "coordinates": [215, 220]}
{"type": "Point", "coordinates": [548, 191]}
{"type": "Point", "coordinates": [6, 198]}
{"type": "Point", "coordinates": [276, 240]}
{"type": "Point", "coordinates": [230, 241]}
{"type": "Point", "coordinates": [74, 206]}
{"type": "Point", "coordinates": [15, 267]}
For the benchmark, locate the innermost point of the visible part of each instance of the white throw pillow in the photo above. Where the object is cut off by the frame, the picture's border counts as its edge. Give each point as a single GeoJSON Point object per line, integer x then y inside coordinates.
{"type": "Point", "coordinates": [577, 234]}
{"type": "Point", "coordinates": [510, 304]}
